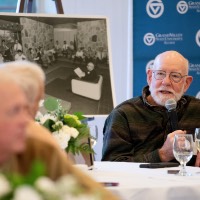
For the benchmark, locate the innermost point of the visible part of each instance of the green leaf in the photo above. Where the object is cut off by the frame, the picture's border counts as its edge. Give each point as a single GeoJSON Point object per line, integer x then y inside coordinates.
{"type": "Point", "coordinates": [51, 104]}
{"type": "Point", "coordinates": [37, 170]}
{"type": "Point", "coordinates": [80, 115]}
{"type": "Point", "coordinates": [84, 132]}
{"type": "Point", "coordinates": [71, 122]}
{"type": "Point", "coordinates": [48, 124]}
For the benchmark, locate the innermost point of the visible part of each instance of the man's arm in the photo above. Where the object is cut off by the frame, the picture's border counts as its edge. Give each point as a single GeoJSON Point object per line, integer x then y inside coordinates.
{"type": "Point", "coordinates": [118, 144]}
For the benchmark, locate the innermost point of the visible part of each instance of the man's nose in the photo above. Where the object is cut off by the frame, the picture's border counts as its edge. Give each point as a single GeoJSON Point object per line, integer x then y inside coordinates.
{"type": "Point", "coordinates": [167, 79]}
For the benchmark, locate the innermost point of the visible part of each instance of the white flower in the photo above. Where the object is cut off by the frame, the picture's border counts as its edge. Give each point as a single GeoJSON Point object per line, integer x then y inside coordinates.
{"type": "Point", "coordinates": [73, 132]}
{"type": "Point", "coordinates": [66, 184]}
{"type": "Point", "coordinates": [58, 124]}
{"type": "Point", "coordinates": [70, 130]}
{"type": "Point", "coordinates": [82, 197]}
{"type": "Point", "coordinates": [5, 187]}
{"type": "Point", "coordinates": [47, 116]}
{"type": "Point", "coordinates": [47, 187]}
{"type": "Point", "coordinates": [66, 129]}
{"type": "Point", "coordinates": [38, 116]}
{"type": "Point", "coordinates": [41, 103]}
{"type": "Point", "coordinates": [25, 192]}
{"type": "Point", "coordinates": [62, 138]}
{"type": "Point", "coordinates": [65, 188]}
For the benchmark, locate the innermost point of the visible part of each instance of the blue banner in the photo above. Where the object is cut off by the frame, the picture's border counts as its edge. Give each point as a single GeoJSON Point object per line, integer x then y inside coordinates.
{"type": "Point", "coordinates": [161, 25]}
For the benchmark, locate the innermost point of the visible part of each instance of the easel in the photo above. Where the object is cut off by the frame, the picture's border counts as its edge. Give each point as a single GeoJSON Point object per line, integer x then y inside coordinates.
{"type": "Point", "coordinates": [25, 6]}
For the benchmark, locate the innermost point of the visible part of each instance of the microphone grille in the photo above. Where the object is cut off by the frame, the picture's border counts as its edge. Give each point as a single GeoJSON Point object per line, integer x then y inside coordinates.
{"type": "Point", "coordinates": [170, 104]}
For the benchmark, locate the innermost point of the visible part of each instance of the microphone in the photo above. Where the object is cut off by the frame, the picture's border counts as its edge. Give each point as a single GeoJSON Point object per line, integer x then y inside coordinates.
{"type": "Point", "coordinates": [170, 104]}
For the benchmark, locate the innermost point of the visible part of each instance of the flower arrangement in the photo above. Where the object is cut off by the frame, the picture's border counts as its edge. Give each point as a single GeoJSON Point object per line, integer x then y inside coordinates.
{"type": "Point", "coordinates": [36, 186]}
{"type": "Point", "coordinates": [69, 130]}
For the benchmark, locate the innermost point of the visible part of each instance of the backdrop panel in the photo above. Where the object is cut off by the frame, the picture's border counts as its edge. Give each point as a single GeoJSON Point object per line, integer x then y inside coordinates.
{"type": "Point", "coordinates": [161, 25]}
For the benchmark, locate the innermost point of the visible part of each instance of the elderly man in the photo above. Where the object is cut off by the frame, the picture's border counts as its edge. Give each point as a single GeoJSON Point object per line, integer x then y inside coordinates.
{"type": "Point", "coordinates": [139, 129]}
{"type": "Point", "coordinates": [20, 145]}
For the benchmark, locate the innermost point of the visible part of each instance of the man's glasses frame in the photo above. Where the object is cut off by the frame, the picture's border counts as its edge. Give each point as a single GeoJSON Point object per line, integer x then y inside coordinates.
{"type": "Point", "coordinates": [174, 76]}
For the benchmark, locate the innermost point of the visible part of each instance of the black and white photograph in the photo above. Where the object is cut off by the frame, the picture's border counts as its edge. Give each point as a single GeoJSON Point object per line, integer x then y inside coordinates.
{"type": "Point", "coordinates": [73, 52]}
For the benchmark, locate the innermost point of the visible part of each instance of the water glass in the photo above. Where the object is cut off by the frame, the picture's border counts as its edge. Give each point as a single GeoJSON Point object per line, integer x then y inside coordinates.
{"type": "Point", "coordinates": [197, 138]}
{"type": "Point", "coordinates": [183, 151]}
{"type": "Point", "coordinates": [93, 135]}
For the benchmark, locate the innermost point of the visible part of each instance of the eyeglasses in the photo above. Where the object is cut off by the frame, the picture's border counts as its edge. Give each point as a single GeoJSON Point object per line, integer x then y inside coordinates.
{"type": "Point", "coordinates": [174, 76]}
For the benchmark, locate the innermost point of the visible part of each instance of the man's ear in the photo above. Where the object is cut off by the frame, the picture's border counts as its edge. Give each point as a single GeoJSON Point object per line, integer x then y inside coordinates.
{"type": "Point", "coordinates": [149, 76]}
{"type": "Point", "coordinates": [188, 82]}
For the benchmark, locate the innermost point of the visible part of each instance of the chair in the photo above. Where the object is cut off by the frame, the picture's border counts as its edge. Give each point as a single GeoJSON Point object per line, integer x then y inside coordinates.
{"type": "Point", "coordinates": [87, 89]}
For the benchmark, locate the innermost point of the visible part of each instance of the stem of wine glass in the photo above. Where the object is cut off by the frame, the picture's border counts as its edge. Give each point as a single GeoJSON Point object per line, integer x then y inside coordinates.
{"type": "Point", "coordinates": [93, 141]}
{"type": "Point", "coordinates": [183, 170]}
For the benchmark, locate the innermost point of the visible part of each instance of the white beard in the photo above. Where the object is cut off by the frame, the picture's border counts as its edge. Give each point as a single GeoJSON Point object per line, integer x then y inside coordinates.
{"type": "Point", "coordinates": [161, 98]}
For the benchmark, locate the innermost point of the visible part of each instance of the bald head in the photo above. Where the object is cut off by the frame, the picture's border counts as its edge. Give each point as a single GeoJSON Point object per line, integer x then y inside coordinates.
{"type": "Point", "coordinates": [90, 66]}
{"type": "Point", "coordinates": [171, 58]}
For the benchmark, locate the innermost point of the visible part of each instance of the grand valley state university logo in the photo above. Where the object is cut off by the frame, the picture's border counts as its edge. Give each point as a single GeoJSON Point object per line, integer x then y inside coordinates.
{"type": "Point", "coordinates": [165, 38]}
{"type": "Point", "coordinates": [182, 7]}
{"type": "Point", "coordinates": [149, 39]}
{"type": "Point", "coordinates": [155, 8]}
{"type": "Point", "coordinates": [198, 38]}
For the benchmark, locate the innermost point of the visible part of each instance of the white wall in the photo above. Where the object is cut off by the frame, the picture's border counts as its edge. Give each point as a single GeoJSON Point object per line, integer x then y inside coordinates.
{"type": "Point", "coordinates": [119, 14]}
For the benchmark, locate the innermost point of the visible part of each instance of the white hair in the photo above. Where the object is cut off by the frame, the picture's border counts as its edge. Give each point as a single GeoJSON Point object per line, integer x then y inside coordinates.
{"type": "Point", "coordinates": [29, 75]}
{"type": "Point", "coordinates": [7, 77]}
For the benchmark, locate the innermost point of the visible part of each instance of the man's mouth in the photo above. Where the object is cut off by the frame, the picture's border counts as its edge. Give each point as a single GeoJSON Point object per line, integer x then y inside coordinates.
{"type": "Point", "coordinates": [166, 92]}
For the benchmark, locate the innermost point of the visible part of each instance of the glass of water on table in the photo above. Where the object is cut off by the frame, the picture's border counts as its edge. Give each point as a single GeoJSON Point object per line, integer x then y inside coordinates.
{"type": "Point", "coordinates": [183, 151]}
{"type": "Point", "coordinates": [197, 138]}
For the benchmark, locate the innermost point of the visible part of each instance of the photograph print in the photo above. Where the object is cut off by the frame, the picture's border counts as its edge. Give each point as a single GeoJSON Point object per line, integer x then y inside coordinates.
{"type": "Point", "coordinates": [72, 51]}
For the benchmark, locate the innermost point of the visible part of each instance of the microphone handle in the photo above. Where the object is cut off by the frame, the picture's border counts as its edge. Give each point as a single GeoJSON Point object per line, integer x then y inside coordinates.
{"type": "Point", "coordinates": [173, 120]}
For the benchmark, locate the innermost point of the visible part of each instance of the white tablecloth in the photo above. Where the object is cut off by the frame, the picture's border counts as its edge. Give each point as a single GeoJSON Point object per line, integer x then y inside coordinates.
{"type": "Point", "coordinates": [145, 184]}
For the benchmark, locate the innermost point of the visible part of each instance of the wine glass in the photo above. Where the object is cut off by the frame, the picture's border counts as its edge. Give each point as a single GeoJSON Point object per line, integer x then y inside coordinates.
{"type": "Point", "coordinates": [197, 138]}
{"type": "Point", "coordinates": [93, 141]}
{"type": "Point", "coordinates": [183, 151]}
{"type": "Point", "coordinates": [93, 135]}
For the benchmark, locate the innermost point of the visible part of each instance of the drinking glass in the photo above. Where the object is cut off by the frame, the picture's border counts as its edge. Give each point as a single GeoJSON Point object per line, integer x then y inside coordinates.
{"type": "Point", "coordinates": [93, 135]}
{"type": "Point", "coordinates": [197, 138]}
{"type": "Point", "coordinates": [183, 151]}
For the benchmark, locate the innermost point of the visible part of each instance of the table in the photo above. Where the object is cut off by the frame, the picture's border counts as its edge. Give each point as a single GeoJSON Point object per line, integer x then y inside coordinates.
{"type": "Point", "coordinates": [145, 184]}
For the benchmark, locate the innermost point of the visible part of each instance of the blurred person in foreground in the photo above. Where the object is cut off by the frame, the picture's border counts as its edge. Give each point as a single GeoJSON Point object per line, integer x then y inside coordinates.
{"type": "Point", "coordinates": [31, 79]}
{"type": "Point", "coordinates": [138, 130]}
{"type": "Point", "coordinates": [22, 141]}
